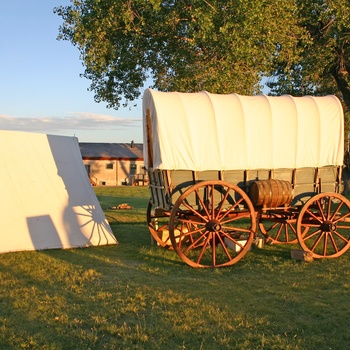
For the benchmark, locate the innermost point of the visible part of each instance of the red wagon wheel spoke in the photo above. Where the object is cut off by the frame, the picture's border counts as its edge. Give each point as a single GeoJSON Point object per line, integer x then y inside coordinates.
{"type": "Point", "coordinates": [202, 250]}
{"type": "Point", "coordinates": [224, 247]}
{"type": "Point", "coordinates": [318, 220]}
{"type": "Point", "coordinates": [203, 205]}
{"type": "Point", "coordinates": [320, 210]}
{"type": "Point", "coordinates": [326, 216]}
{"type": "Point", "coordinates": [220, 224]}
{"type": "Point", "coordinates": [190, 233]}
{"type": "Point", "coordinates": [232, 208]}
{"type": "Point", "coordinates": [236, 229]}
{"type": "Point", "coordinates": [195, 243]}
{"type": "Point", "coordinates": [325, 243]}
{"type": "Point", "coordinates": [278, 228]}
{"type": "Point", "coordinates": [342, 218]}
{"type": "Point", "coordinates": [284, 228]}
{"type": "Point", "coordinates": [311, 235]}
{"type": "Point", "coordinates": [186, 232]}
{"type": "Point", "coordinates": [341, 236]}
{"type": "Point", "coordinates": [290, 228]}
{"type": "Point", "coordinates": [317, 241]}
{"type": "Point", "coordinates": [213, 243]}
{"type": "Point", "coordinates": [194, 211]}
{"type": "Point", "coordinates": [336, 211]}
{"type": "Point", "coordinates": [224, 199]}
{"type": "Point", "coordinates": [235, 241]}
{"type": "Point", "coordinates": [212, 208]}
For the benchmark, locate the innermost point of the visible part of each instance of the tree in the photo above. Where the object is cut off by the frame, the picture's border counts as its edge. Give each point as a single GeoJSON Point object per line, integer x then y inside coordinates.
{"type": "Point", "coordinates": [324, 64]}
{"type": "Point", "coordinates": [184, 45]}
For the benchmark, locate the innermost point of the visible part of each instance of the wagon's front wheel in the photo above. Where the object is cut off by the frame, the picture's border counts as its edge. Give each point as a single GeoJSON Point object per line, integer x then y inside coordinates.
{"type": "Point", "coordinates": [212, 224]}
{"type": "Point", "coordinates": [323, 225]}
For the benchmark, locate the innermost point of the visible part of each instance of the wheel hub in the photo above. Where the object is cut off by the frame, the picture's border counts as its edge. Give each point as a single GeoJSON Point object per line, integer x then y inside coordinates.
{"type": "Point", "coordinates": [213, 226]}
{"type": "Point", "coordinates": [328, 226]}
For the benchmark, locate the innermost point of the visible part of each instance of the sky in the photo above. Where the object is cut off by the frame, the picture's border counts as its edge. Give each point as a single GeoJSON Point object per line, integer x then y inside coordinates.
{"type": "Point", "coordinates": [40, 85]}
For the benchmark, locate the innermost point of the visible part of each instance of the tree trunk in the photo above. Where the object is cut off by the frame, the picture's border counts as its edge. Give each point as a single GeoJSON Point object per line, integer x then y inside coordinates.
{"type": "Point", "coordinates": [342, 79]}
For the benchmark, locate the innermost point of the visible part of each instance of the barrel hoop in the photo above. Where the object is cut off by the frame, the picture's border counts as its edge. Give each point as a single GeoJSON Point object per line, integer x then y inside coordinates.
{"type": "Point", "coordinates": [271, 193]}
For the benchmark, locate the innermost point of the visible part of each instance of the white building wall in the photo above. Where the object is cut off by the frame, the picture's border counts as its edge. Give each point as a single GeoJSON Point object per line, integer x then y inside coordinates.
{"type": "Point", "coordinates": [114, 172]}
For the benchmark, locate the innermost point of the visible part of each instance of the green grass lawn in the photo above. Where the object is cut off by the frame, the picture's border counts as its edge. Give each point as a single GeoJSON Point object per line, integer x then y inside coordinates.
{"type": "Point", "coordinates": [135, 295]}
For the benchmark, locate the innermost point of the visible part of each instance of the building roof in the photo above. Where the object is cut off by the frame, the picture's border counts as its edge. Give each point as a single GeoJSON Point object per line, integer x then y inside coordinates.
{"type": "Point", "coordinates": [91, 150]}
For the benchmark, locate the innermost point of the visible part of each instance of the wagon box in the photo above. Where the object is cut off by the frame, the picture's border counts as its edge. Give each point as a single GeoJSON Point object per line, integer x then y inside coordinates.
{"type": "Point", "coordinates": [222, 165]}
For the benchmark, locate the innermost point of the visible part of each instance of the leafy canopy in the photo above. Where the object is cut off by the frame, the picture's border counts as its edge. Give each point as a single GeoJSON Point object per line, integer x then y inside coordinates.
{"type": "Point", "coordinates": [183, 45]}
{"type": "Point", "coordinates": [324, 65]}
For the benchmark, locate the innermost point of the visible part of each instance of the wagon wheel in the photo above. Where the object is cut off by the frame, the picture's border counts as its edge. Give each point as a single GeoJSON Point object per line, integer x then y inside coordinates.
{"type": "Point", "coordinates": [327, 215]}
{"type": "Point", "coordinates": [157, 221]}
{"type": "Point", "coordinates": [212, 224]}
{"type": "Point", "coordinates": [279, 228]}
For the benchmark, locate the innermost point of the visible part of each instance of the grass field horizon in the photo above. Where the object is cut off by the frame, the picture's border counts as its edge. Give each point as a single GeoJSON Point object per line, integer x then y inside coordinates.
{"type": "Point", "coordinates": [135, 295]}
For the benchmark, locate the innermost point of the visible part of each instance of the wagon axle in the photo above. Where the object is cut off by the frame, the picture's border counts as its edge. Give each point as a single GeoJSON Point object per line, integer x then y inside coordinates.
{"type": "Point", "coordinates": [328, 226]}
{"type": "Point", "coordinates": [213, 226]}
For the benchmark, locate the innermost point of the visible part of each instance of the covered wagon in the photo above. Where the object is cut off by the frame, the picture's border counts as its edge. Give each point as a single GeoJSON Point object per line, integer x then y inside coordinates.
{"type": "Point", "coordinates": [225, 170]}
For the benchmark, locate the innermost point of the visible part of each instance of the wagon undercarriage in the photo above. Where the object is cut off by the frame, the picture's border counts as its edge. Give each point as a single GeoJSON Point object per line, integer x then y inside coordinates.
{"type": "Point", "coordinates": [214, 224]}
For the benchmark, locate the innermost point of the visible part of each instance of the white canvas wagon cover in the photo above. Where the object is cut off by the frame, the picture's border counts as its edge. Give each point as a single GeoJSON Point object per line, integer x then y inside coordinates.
{"type": "Point", "coordinates": [203, 131]}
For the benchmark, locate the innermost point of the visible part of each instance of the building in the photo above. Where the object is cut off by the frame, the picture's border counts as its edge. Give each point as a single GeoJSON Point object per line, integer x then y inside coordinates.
{"type": "Point", "coordinates": [114, 164]}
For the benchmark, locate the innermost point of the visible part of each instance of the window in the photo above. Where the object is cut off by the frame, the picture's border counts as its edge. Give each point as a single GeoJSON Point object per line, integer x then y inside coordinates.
{"type": "Point", "coordinates": [109, 166]}
{"type": "Point", "coordinates": [132, 169]}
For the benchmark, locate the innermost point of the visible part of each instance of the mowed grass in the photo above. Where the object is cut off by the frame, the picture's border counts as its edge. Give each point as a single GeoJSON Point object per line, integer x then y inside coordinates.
{"type": "Point", "coordinates": [135, 295]}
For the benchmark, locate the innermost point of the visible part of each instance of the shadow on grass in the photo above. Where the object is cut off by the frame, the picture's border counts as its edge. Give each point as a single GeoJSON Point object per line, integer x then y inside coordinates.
{"type": "Point", "coordinates": [135, 295]}
{"type": "Point", "coordinates": [83, 292]}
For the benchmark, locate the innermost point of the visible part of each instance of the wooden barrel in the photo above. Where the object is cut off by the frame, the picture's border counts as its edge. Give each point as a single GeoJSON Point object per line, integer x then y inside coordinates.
{"type": "Point", "coordinates": [271, 193]}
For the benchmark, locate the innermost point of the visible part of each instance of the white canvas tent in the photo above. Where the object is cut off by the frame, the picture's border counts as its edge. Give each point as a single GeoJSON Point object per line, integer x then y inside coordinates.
{"type": "Point", "coordinates": [46, 198]}
{"type": "Point", "coordinates": [204, 131]}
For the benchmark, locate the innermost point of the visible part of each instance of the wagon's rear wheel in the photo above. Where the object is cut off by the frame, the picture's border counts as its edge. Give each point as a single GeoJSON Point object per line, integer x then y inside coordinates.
{"type": "Point", "coordinates": [158, 225]}
{"type": "Point", "coordinates": [212, 224]}
{"type": "Point", "coordinates": [279, 228]}
{"type": "Point", "coordinates": [327, 217]}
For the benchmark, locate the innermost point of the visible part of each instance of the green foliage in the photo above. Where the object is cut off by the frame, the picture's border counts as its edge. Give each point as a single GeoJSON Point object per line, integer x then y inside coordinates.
{"type": "Point", "coordinates": [137, 296]}
{"type": "Point", "coordinates": [185, 45]}
{"type": "Point", "coordinates": [323, 67]}
{"type": "Point", "coordinates": [218, 46]}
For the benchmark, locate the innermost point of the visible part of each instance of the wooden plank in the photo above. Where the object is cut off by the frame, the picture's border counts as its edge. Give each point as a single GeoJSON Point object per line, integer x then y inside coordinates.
{"type": "Point", "coordinates": [305, 176]}
{"type": "Point", "coordinates": [283, 174]}
{"type": "Point", "coordinates": [159, 189]}
{"type": "Point", "coordinates": [179, 182]}
{"type": "Point", "coordinates": [235, 177]}
{"type": "Point", "coordinates": [208, 175]}
{"type": "Point", "coordinates": [304, 184]}
{"type": "Point", "coordinates": [328, 179]}
{"type": "Point", "coordinates": [263, 174]}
